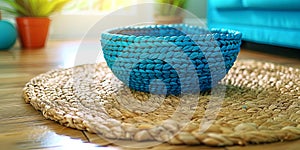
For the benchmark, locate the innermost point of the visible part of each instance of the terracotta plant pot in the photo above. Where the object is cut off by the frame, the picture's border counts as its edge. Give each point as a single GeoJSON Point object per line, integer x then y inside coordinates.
{"type": "Point", "coordinates": [33, 31]}
{"type": "Point", "coordinates": [168, 19]}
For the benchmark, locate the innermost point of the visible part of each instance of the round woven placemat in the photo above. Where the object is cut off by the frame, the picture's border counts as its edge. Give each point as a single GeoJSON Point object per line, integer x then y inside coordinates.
{"type": "Point", "coordinates": [262, 104]}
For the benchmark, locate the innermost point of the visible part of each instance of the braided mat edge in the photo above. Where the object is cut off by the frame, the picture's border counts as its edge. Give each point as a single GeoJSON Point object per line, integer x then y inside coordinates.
{"type": "Point", "coordinates": [262, 105]}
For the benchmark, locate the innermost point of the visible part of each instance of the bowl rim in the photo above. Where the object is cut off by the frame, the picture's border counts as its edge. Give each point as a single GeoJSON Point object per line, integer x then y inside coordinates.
{"type": "Point", "coordinates": [213, 32]}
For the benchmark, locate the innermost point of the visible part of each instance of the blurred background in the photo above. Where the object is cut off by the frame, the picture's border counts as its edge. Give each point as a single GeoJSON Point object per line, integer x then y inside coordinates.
{"type": "Point", "coordinates": [262, 22]}
{"type": "Point", "coordinates": [78, 16]}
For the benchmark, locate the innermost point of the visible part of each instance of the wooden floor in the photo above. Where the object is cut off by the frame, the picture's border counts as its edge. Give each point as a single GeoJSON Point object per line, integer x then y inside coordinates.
{"type": "Point", "coordinates": [22, 127]}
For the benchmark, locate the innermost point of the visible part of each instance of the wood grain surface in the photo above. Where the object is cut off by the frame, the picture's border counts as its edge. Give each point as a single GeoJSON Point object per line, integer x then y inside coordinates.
{"type": "Point", "coordinates": [22, 127]}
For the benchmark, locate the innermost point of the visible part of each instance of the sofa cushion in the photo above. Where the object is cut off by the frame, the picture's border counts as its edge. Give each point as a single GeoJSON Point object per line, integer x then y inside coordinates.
{"type": "Point", "coordinates": [272, 4]}
{"type": "Point", "coordinates": [276, 19]}
{"type": "Point", "coordinates": [228, 4]}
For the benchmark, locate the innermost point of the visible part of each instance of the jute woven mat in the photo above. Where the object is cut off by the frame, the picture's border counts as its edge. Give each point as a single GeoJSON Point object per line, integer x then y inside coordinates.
{"type": "Point", "coordinates": [261, 105]}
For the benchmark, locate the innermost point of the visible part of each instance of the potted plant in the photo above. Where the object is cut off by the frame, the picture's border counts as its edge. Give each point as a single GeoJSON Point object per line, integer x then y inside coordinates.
{"type": "Point", "coordinates": [169, 11]}
{"type": "Point", "coordinates": [33, 19]}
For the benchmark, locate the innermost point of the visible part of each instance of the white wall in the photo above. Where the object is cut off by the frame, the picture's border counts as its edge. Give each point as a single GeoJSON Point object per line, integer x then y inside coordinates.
{"type": "Point", "coordinates": [75, 26]}
{"type": "Point", "coordinates": [67, 26]}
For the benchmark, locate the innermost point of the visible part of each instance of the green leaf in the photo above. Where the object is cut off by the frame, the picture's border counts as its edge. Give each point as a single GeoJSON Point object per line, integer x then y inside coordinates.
{"type": "Point", "coordinates": [52, 6]}
{"type": "Point", "coordinates": [21, 6]}
{"type": "Point", "coordinates": [33, 5]}
{"type": "Point", "coordinates": [8, 10]}
{"type": "Point", "coordinates": [34, 8]}
{"type": "Point", "coordinates": [60, 4]}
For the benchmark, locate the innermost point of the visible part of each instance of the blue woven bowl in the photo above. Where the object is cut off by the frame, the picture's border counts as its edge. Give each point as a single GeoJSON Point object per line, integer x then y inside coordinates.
{"type": "Point", "coordinates": [149, 58]}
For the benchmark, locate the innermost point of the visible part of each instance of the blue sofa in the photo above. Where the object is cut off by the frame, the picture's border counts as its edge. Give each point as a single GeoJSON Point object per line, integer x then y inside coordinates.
{"type": "Point", "coordinates": [273, 22]}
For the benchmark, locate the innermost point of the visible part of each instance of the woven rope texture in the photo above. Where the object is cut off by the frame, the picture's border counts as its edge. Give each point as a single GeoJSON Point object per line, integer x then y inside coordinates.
{"type": "Point", "coordinates": [140, 54]}
{"type": "Point", "coordinates": [262, 104]}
